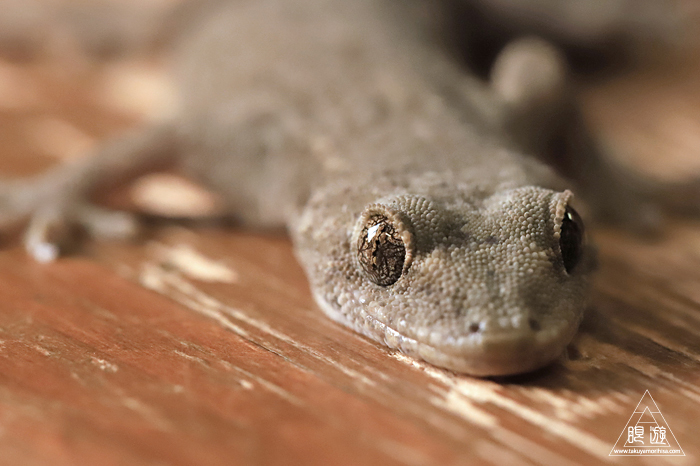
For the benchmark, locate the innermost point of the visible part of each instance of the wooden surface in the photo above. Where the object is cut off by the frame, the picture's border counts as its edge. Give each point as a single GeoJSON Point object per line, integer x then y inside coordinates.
{"type": "Point", "coordinates": [204, 346]}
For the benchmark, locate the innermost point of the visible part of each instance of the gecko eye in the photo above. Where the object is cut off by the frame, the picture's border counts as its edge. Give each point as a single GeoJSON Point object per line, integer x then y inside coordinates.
{"type": "Point", "coordinates": [571, 239]}
{"type": "Point", "coordinates": [381, 250]}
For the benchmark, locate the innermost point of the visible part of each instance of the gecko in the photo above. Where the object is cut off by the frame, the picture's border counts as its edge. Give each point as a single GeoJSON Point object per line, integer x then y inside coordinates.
{"type": "Point", "coordinates": [408, 185]}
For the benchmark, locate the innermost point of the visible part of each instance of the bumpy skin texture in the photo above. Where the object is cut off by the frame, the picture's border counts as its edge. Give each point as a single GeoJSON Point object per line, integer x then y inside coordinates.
{"type": "Point", "coordinates": [323, 115]}
{"type": "Point", "coordinates": [485, 291]}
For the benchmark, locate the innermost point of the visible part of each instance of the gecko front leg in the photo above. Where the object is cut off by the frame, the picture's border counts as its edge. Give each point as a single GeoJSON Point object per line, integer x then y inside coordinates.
{"type": "Point", "coordinates": [56, 202]}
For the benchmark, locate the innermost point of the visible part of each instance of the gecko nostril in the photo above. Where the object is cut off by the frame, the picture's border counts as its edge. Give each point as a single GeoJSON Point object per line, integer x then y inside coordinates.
{"type": "Point", "coordinates": [534, 324]}
{"type": "Point", "coordinates": [475, 327]}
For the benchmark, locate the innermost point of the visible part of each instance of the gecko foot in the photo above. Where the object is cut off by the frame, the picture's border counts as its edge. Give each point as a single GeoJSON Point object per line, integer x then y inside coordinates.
{"type": "Point", "coordinates": [55, 213]}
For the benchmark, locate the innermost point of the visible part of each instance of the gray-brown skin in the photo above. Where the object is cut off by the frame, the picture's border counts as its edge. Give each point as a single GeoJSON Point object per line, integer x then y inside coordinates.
{"type": "Point", "coordinates": [322, 115]}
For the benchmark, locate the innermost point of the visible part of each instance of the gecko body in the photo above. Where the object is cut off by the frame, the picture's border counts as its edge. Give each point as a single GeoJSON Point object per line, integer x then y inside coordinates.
{"type": "Point", "coordinates": [417, 223]}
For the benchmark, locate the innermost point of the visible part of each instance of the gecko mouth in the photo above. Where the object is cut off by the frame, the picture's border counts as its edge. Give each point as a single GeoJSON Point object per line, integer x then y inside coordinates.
{"type": "Point", "coordinates": [495, 354]}
{"type": "Point", "coordinates": [499, 353]}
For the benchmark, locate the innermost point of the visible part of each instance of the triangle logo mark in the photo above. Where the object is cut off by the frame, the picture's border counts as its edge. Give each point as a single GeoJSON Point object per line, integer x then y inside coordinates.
{"type": "Point", "coordinates": [646, 433]}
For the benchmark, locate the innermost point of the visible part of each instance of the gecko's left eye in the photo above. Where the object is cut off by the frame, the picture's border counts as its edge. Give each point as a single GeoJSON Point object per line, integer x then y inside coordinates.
{"type": "Point", "coordinates": [381, 250]}
{"type": "Point", "coordinates": [571, 239]}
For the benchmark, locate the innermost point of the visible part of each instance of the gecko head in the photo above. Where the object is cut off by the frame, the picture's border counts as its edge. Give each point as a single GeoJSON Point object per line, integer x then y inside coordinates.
{"type": "Point", "coordinates": [489, 287]}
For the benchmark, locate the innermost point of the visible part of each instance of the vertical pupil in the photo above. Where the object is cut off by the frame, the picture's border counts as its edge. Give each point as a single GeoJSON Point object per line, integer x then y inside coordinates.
{"type": "Point", "coordinates": [571, 239]}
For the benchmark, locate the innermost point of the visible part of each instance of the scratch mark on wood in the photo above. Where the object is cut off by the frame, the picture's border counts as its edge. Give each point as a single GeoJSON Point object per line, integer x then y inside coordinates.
{"type": "Point", "coordinates": [693, 395]}
{"type": "Point", "coordinates": [246, 384]}
{"type": "Point", "coordinates": [460, 405]}
{"type": "Point", "coordinates": [402, 453]}
{"type": "Point", "coordinates": [190, 357]}
{"type": "Point", "coordinates": [42, 350]}
{"type": "Point", "coordinates": [537, 453]}
{"type": "Point", "coordinates": [485, 392]}
{"type": "Point", "coordinates": [147, 413]}
{"type": "Point", "coordinates": [104, 365]}
{"type": "Point", "coordinates": [155, 278]}
{"type": "Point", "coordinates": [195, 265]}
{"type": "Point", "coordinates": [577, 406]}
{"type": "Point", "coordinates": [272, 387]}
{"type": "Point", "coordinates": [170, 284]}
{"type": "Point", "coordinates": [459, 398]}
{"type": "Point", "coordinates": [496, 454]}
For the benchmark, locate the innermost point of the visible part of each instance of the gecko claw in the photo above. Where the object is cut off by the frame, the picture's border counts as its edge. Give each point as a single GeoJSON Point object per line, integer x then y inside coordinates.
{"type": "Point", "coordinates": [53, 214]}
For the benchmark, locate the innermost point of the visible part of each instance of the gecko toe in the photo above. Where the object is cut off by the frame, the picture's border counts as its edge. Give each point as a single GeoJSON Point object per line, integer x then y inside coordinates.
{"type": "Point", "coordinates": [54, 227]}
{"type": "Point", "coordinates": [46, 233]}
{"type": "Point", "coordinates": [100, 222]}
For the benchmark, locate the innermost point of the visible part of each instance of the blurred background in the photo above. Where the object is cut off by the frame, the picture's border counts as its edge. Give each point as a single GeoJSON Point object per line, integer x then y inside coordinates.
{"type": "Point", "coordinates": [74, 72]}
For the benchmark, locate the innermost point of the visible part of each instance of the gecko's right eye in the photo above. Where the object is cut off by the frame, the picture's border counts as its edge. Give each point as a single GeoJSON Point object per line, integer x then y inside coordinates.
{"type": "Point", "coordinates": [571, 239]}
{"type": "Point", "coordinates": [381, 250]}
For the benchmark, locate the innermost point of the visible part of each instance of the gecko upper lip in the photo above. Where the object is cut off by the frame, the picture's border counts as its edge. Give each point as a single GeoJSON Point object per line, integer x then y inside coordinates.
{"type": "Point", "coordinates": [495, 354]}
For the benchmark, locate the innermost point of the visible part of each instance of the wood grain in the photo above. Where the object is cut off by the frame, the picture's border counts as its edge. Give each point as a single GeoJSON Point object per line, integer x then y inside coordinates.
{"type": "Point", "coordinates": [129, 354]}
